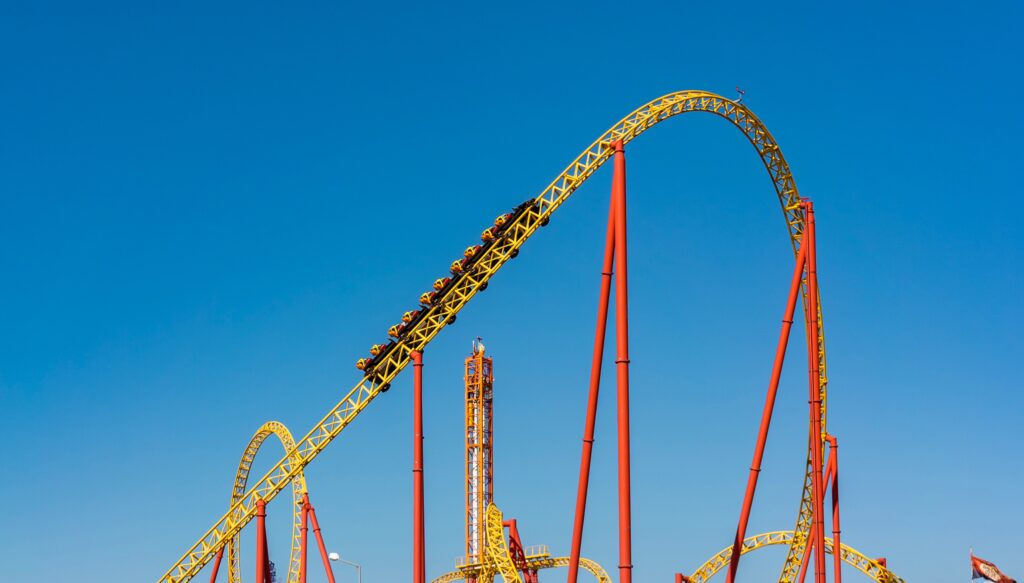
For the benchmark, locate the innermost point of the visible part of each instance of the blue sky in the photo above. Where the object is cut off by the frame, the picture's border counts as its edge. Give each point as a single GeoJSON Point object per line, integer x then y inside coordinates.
{"type": "Point", "coordinates": [210, 212]}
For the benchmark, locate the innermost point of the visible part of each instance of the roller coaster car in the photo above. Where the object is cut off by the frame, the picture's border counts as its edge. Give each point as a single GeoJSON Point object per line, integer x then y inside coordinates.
{"type": "Point", "coordinates": [471, 255]}
{"type": "Point", "coordinates": [427, 298]}
{"type": "Point", "coordinates": [441, 283]}
{"type": "Point", "coordinates": [500, 221]}
{"type": "Point", "coordinates": [376, 349]}
{"type": "Point", "coordinates": [364, 363]}
{"type": "Point", "coordinates": [488, 235]}
{"type": "Point", "coordinates": [394, 331]}
{"type": "Point", "coordinates": [411, 315]}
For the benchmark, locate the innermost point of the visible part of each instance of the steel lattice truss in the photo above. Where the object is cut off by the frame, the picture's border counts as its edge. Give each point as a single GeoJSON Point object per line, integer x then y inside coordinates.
{"type": "Point", "coordinates": [238, 491]}
{"type": "Point", "coordinates": [499, 559]}
{"type": "Point", "coordinates": [850, 556]}
{"type": "Point", "coordinates": [452, 297]}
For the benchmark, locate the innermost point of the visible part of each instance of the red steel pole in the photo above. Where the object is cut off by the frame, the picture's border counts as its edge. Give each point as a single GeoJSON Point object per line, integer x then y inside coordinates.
{"type": "Point", "coordinates": [216, 565]}
{"type": "Point", "coordinates": [679, 578]}
{"type": "Point", "coordinates": [304, 539]}
{"type": "Point", "coordinates": [814, 387]}
{"type": "Point", "coordinates": [766, 414]}
{"type": "Point", "coordinates": [261, 541]}
{"type": "Point", "coordinates": [833, 462]}
{"type": "Point", "coordinates": [320, 543]}
{"type": "Point", "coordinates": [622, 363]}
{"type": "Point", "coordinates": [418, 545]}
{"type": "Point", "coordinates": [595, 388]}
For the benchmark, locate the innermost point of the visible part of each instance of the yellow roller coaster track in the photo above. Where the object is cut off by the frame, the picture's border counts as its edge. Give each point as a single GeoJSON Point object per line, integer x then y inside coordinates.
{"type": "Point", "coordinates": [600, 575]}
{"type": "Point", "coordinates": [497, 549]}
{"type": "Point", "coordinates": [850, 556]}
{"type": "Point", "coordinates": [500, 560]}
{"type": "Point", "coordinates": [298, 489]}
{"type": "Point", "coordinates": [466, 284]}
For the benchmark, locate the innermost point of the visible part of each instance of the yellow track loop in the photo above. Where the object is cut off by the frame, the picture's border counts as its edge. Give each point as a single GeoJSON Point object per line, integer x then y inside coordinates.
{"type": "Point", "coordinates": [501, 562]}
{"type": "Point", "coordinates": [298, 489]}
{"type": "Point", "coordinates": [849, 556]}
{"type": "Point", "coordinates": [497, 548]}
{"type": "Point", "coordinates": [467, 284]}
{"type": "Point", "coordinates": [539, 563]}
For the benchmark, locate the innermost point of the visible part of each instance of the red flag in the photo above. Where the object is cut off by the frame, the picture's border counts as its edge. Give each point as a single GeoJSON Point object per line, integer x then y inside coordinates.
{"type": "Point", "coordinates": [982, 569]}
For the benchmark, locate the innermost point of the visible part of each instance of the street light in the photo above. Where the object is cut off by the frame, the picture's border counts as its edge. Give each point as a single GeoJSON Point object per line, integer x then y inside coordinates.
{"type": "Point", "coordinates": [359, 568]}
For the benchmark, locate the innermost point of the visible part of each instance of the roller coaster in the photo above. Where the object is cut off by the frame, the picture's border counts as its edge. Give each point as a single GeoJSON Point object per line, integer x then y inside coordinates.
{"type": "Point", "coordinates": [806, 544]}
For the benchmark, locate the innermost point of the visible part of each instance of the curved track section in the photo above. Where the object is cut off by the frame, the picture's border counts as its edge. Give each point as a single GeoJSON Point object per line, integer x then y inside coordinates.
{"type": "Point", "coordinates": [850, 556]}
{"type": "Point", "coordinates": [452, 297]}
{"type": "Point", "coordinates": [298, 489]}
{"type": "Point", "coordinates": [600, 575]}
{"type": "Point", "coordinates": [497, 548]}
{"type": "Point", "coordinates": [501, 562]}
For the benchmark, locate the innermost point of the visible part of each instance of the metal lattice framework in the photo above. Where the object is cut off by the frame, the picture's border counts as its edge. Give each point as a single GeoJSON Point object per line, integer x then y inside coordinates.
{"type": "Point", "coordinates": [873, 569]}
{"type": "Point", "coordinates": [600, 575]}
{"type": "Point", "coordinates": [465, 285]}
{"type": "Point", "coordinates": [479, 450]}
{"type": "Point", "coordinates": [238, 491]}
{"type": "Point", "coordinates": [500, 560]}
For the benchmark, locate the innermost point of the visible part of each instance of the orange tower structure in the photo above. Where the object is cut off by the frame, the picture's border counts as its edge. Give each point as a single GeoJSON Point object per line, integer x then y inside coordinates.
{"type": "Point", "coordinates": [479, 450]}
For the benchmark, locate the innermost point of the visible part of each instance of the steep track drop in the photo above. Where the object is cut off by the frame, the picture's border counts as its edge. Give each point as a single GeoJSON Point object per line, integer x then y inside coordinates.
{"type": "Point", "coordinates": [453, 296]}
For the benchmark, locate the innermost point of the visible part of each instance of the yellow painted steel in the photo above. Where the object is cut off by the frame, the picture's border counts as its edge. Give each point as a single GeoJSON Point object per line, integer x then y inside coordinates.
{"type": "Point", "coordinates": [850, 556]}
{"type": "Point", "coordinates": [466, 284]}
{"type": "Point", "coordinates": [499, 560]}
{"type": "Point", "coordinates": [600, 575]}
{"type": "Point", "coordinates": [298, 490]}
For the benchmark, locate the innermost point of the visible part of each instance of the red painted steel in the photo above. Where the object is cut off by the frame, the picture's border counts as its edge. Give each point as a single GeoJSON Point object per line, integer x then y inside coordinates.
{"type": "Point", "coordinates": [814, 389]}
{"type": "Point", "coordinates": [766, 414]}
{"type": "Point", "coordinates": [320, 544]}
{"type": "Point", "coordinates": [622, 363]}
{"type": "Point", "coordinates": [595, 388]}
{"type": "Point", "coordinates": [679, 578]}
{"type": "Point", "coordinates": [419, 543]}
{"type": "Point", "coordinates": [216, 565]}
{"type": "Point", "coordinates": [515, 549]}
{"type": "Point", "coordinates": [833, 462]}
{"type": "Point", "coordinates": [261, 542]}
{"type": "Point", "coordinates": [304, 538]}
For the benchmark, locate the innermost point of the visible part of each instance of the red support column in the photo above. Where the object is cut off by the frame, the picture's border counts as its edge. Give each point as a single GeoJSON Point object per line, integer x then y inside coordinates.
{"type": "Point", "coordinates": [622, 363]}
{"type": "Point", "coordinates": [261, 542]}
{"type": "Point", "coordinates": [418, 545]}
{"type": "Point", "coordinates": [679, 578]}
{"type": "Point", "coordinates": [814, 389]}
{"type": "Point", "coordinates": [320, 544]}
{"type": "Point", "coordinates": [304, 538]}
{"type": "Point", "coordinates": [216, 565]}
{"type": "Point", "coordinates": [595, 388]}
{"type": "Point", "coordinates": [766, 414]}
{"type": "Point", "coordinates": [833, 462]}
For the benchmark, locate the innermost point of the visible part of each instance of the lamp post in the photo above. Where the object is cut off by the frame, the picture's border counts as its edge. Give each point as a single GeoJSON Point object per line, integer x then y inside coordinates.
{"type": "Point", "coordinates": [359, 568]}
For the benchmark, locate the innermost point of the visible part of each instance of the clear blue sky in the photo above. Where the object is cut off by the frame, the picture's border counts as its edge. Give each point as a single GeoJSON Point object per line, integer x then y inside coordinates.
{"type": "Point", "coordinates": [209, 212]}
